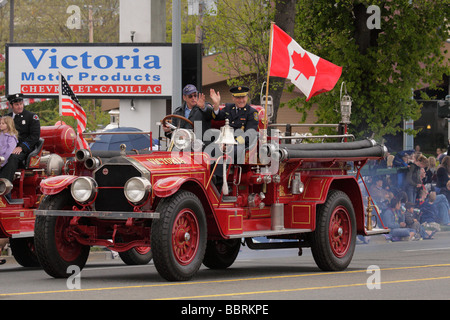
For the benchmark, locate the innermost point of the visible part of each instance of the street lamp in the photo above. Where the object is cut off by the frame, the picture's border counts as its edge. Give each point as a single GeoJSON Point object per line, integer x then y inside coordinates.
{"type": "Point", "coordinates": [346, 106]}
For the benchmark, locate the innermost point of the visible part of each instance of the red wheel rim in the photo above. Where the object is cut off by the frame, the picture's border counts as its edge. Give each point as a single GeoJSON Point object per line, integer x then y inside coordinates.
{"type": "Point", "coordinates": [142, 250]}
{"type": "Point", "coordinates": [185, 236]}
{"type": "Point", "coordinates": [340, 231]}
{"type": "Point", "coordinates": [68, 248]}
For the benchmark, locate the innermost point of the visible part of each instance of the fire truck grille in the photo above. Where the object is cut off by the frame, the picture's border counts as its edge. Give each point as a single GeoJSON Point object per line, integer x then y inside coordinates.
{"type": "Point", "coordinates": [111, 179]}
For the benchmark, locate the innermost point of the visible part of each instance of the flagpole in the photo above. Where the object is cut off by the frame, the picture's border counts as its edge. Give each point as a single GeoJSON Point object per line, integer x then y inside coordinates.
{"type": "Point", "coordinates": [268, 76]}
{"type": "Point", "coordinates": [60, 97]}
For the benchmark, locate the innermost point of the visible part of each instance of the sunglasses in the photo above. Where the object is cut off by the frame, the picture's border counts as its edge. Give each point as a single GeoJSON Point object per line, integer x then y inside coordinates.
{"type": "Point", "coordinates": [193, 95]}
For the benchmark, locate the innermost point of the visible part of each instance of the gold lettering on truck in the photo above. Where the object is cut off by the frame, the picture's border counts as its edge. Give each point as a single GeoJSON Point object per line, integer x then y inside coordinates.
{"type": "Point", "coordinates": [162, 161]}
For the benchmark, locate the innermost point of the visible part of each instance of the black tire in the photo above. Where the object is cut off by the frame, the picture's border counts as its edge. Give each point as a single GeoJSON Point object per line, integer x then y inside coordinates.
{"type": "Point", "coordinates": [136, 256]}
{"type": "Point", "coordinates": [220, 254]}
{"type": "Point", "coordinates": [333, 241]}
{"type": "Point", "coordinates": [24, 252]}
{"type": "Point", "coordinates": [178, 237]}
{"type": "Point", "coordinates": [56, 249]}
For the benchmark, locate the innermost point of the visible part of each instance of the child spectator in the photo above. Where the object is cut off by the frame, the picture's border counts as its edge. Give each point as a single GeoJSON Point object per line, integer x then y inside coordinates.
{"type": "Point", "coordinates": [428, 212]}
{"type": "Point", "coordinates": [412, 222]}
{"type": "Point", "coordinates": [8, 138]}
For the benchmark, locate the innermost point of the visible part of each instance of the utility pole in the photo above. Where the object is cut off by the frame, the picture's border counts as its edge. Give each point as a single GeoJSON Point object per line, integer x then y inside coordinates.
{"type": "Point", "coordinates": [176, 54]}
{"type": "Point", "coordinates": [11, 21]}
{"type": "Point", "coordinates": [91, 25]}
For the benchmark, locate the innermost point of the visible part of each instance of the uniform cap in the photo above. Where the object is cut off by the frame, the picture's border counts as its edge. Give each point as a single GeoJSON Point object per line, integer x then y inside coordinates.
{"type": "Point", "coordinates": [239, 91]}
{"type": "Point", "coordinates": [12, 98]}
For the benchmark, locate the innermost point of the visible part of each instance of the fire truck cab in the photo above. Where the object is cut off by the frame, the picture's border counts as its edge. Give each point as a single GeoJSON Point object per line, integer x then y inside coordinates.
{"type": "Point", "coordinates": [304, 195]}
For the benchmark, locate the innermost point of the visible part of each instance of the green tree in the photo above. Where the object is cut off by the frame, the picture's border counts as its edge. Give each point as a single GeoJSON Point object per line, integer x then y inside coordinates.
{"type": "Point", "coordinates": [44, 21]}
{"type": "Point", "coordinates": [189, 23]}
{"type": "Point", "coordinates": [381, 66]}
{"type": "Point", "coordinates": [239, 31]}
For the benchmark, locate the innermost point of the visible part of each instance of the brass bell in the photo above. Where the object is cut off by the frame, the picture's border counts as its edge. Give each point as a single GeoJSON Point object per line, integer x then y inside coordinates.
{"type": "Point", "coordinates": [226, 134]}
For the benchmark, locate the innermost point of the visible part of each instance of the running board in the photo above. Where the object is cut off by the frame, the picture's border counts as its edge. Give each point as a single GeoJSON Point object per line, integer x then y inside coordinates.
{"type": "Point", "coordinates": [376, 231]}
{"type": "Point", "coordinates": [267, 233]}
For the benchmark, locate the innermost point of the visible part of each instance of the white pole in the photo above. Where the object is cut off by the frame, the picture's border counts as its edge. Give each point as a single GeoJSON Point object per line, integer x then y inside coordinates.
{"type": "Point", "coordinates": [176, 55]}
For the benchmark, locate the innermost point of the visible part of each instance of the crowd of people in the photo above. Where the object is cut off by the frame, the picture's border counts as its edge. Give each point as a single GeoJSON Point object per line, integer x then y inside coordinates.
{"type": "Point", "coordinates": [414, 203]}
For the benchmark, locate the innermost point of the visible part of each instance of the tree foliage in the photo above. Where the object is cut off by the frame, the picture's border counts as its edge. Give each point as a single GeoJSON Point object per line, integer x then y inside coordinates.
{"type": "Point", "coordinates": [240, 33]}
{"type": "Point", "coordinates": [381, 67]}
{"type": "Point", "coordinates": [45, 21]}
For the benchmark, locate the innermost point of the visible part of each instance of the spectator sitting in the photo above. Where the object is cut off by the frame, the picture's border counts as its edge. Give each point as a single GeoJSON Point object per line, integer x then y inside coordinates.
{"type": "Point", "coordinates": [412, 221]}
{"type": "Point", "coordinates": [380, 195]}
{"type": "Point", "coordinates": [446, 191]}
{"type": "Point", "coordinates": [3, 243]}
{"type": "Point", "coordinates": [428, 212]}
{"type": "Point", "coordinates": [442, 207]}
{"type": "Point", "coordinates": [395, 220]}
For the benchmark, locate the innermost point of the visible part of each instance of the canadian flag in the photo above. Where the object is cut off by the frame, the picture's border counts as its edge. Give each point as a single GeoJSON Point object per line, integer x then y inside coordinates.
{"type": "Point", "coordinates": [308, 72]}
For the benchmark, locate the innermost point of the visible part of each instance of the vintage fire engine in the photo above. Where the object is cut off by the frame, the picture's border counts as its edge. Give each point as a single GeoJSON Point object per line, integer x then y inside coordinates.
{"type": "Point", "coordinates": [304, 195]}
{"type": "Point", "coordinates": [17, 210]}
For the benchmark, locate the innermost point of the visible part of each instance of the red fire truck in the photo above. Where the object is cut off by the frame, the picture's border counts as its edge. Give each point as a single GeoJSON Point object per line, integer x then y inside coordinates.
{"type": "Point", "coordinates": [304, 195]}
{"type": "Point", "coordinates": [17, 210]}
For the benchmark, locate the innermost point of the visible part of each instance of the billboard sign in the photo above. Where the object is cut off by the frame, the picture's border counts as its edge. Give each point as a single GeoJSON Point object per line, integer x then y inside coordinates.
{"type": "Point", "coordinates": [92, 70]}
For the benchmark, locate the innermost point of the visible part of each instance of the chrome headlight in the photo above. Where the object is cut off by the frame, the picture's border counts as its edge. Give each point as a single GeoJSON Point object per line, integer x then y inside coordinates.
{"type": "Point", "coordinates": [182, 138]}
{"type": "Point", "coordinates": [5, 186]}
{"type": "Point", "coordinates": [137, 190]}
{"type": "Point", "coordinates": [84, 189]}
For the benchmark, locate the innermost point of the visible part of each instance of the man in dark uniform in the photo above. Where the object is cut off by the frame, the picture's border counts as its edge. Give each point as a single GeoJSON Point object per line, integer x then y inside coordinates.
{"type": "Point", "coordinates": [239, 113]}
{"type": "Point", "coordinates": [195, 109]}
{"type": "Point", "coordinates": [242, 118]}
{"type": "Point", "coordinates": [29, 129]}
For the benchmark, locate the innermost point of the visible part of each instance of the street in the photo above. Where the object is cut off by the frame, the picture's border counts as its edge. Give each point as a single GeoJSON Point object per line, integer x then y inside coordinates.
{"type": "Point", "coordinates": [379, 270]}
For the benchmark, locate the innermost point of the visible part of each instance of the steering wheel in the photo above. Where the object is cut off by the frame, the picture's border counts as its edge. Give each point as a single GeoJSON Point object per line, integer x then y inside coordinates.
{"type": "Point", "coordinates": [165, 123]}
{"type": "Point", "coordinates": [170, 116]}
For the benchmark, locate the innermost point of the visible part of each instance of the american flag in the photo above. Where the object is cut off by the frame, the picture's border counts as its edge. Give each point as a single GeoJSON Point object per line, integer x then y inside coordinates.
{"type": "Point", "coordinates": [70, 106]}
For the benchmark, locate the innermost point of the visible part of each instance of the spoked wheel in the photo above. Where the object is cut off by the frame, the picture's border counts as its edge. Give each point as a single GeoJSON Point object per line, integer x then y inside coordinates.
{"type": "Point", "coordinates": [179, 236]}
{"type": "Point", "coordinates": [56, 247]}
{"type": "Point", "coordinates": [333, 241]}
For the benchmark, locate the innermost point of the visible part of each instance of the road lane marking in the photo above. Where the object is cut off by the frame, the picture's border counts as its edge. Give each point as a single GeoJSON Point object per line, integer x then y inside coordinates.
{"type": "Point", "coordinates": [427, 249]}
{"type": "Point", "coordinates": [300, 289]}
{"type": "Point", "coordinates": [214, 281]}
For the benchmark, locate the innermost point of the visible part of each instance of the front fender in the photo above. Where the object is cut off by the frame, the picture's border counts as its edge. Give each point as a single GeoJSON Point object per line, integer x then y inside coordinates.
{"type": "Point", "coordinates": [56, 184]}
{"type": "Point", "coordinates": [168, 186]}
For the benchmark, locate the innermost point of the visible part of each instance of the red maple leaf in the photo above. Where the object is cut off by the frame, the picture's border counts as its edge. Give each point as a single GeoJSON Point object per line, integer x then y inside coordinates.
{"type": "Point", "coordinates": [303, 65]}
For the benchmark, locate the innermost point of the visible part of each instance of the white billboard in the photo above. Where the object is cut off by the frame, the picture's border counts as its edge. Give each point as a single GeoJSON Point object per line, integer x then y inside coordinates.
{"type": "Point", "coordinates": [92, 70]}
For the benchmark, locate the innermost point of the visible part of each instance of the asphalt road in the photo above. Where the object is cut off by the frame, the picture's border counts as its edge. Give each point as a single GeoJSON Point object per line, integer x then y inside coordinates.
{"type": "Point", "coordinates": [379, 270]}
